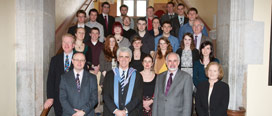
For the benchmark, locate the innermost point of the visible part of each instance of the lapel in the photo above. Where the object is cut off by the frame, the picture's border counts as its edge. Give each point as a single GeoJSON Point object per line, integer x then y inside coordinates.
{"type": "Point", "coordinates": [61, 61]}
{"type": "Point", "coordinates": [84, 80]}
{"type": "Point", "coordinates": [176, 81]}
{"type": "Point", "coordinates": [163, 84]}
{"type": "Point", "coordinates": [72, 81]}
{"type": "Point", "coordinates": [203, 38]}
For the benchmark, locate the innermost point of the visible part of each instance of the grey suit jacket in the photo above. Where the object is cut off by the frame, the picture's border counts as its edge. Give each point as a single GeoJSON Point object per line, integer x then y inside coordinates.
{"type": "Point", "coordinates": [178, 102]}
{"type": "Point", "coordinates": [203, 39]}
{"type": "Point", "coordinates": [71, 99]}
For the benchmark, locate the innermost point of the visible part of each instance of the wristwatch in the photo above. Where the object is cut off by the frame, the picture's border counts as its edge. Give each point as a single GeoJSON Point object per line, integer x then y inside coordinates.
{"type": "Point", "coordinates": [126, 110]}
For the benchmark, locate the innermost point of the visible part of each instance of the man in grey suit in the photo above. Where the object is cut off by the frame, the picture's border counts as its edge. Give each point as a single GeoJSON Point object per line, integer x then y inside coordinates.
{"type": "Point", "coordinates": [173, 90]}
{"type": "Point", "coordinates": [78, 89]}
{"type": "Point", "coordinates": [199, 37]}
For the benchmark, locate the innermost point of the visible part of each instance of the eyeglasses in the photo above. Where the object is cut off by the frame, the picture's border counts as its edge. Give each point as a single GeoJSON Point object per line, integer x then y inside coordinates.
{"type": "Point", "coordinates": [78, 60]}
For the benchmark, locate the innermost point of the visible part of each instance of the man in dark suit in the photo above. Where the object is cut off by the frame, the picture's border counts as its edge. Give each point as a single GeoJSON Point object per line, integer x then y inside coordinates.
{"type": "Point", "coordinates": [78, 89]}
{"type": "Point", "coordinates": [170, 12]}
{"type": "Point", "coordinates": [199, 37]}
{"type": "Point", "coordinates": [105, 19]}
{"type": "Point", "coordinates": [123, 88]}
{"type": "Point", "coordinates": [178, 21]}
{"type": "Point", "coordinates": [59, 64]}
{"type": "Point", "coordinates": [173, 90]}
{"type": "Point", "coordinates": [81, 17]}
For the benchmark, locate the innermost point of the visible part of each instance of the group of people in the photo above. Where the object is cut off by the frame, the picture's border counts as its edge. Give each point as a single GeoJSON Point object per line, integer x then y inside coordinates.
{"type": "Point", "coordinates": [166, 67]}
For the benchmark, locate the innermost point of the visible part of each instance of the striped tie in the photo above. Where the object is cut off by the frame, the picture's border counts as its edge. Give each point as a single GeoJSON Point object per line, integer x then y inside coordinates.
{"type": "Point", "coordinates": [123, 82]}
{"type": "Point", "coordinates": [66, 66]}
{"type": "Point", "coordinates": [78, 82]}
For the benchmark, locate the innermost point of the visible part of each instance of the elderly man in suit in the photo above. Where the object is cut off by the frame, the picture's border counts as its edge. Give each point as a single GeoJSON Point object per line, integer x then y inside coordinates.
{"type": "Point", "coordinates": [199, 37]}
{"type": "Point", "coordinates": [173, 90]}
{"type": "Point", "coordinates": [78, 89]}
{"type": "Point", "coordinates": [123, 88]}
{"type": "Point", "coordinates": [59, 65]}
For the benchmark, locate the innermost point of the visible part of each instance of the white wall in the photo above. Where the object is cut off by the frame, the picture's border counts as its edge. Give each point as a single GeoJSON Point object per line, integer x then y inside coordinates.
{"type": "Point", "coordinates": [259, 94]}
{"type": "Point", "coordinates": [66, 8]}
{"type": "Point", "coordinates": [7, 59]}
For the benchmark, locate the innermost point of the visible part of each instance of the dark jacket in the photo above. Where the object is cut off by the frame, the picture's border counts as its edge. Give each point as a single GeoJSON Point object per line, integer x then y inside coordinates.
{"type": "Point", "coordinates": [195, 55]}
{"type": "Point", "coordinates": [134, 107]}
{"type": "Point", "coordinates": [219, 99]}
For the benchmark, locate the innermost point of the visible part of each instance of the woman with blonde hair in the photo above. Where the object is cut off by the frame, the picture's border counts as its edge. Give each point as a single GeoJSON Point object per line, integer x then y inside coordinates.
{"type": "Point", "coordinates": [212, 96]}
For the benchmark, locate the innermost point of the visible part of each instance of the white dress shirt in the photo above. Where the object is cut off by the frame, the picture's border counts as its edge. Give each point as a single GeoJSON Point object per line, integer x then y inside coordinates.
{"type": "Point", "coordinates": [199, 36]}
{"type": "Point", "coordinates": [167, 77]}
{"type": "Point", "coordinates": [80, 75]}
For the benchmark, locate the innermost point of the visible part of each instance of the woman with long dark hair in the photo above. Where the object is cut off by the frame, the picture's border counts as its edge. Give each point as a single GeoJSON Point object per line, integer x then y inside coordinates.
{"type": "Point", "coordinates": [206, 56]}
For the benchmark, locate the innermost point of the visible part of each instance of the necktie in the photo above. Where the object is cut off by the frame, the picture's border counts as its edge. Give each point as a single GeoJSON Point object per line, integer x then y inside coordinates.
{"type": "Point", "coordinates": [78, 82]}
{"type": "Point", "coordinates": [123, 82]}
{"type": "Point", "coordinates": [66, 65]}
{"type": "Point", "coordinates": [181, 23]}
{"type": "Point", "coordinates": [169, 82]}
{"type": "Point", "coordinates": [195, 41]}
{"type": "Point", "coordinates": [106, 22]}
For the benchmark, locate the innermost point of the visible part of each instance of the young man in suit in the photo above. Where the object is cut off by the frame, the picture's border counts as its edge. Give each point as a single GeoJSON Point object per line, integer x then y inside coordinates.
{"type": "Point", "coordinates": [187, 28]}
{"type": "Point", "coordinates": [59, 65]}
{"type": "Point", "coordinates": [105, 19]}
{"type": "Point", "coordinates": [78, 89]}
{"type": "Point", "coordinates": [123, 88]}
{"type": "Point", "coordinates": [81, 17]}
{"type": "Point", "coordinates": [170, 12]}
{"type": "Point", "coordinates": [173, 90]}
{"type": "Point", "coordinates": [199, 37]}
{"type": "Point", "coordinates": [124, 11]}
{"type": "Point", "coordinates": [178, 21]}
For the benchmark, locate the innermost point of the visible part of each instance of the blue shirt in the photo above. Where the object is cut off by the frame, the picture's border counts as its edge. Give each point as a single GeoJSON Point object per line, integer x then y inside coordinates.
{"type": "Point", "coordinates": [187, 28]}
{"type": "Point", "coordinates": [173, 40]}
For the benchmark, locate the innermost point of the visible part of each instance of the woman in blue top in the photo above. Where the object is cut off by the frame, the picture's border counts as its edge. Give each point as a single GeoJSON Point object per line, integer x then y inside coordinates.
{"type": "Point", "coordinates": [206, 56]}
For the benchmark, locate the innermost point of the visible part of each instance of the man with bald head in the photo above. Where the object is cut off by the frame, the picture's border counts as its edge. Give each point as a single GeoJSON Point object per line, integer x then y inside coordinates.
{"type": "Point", "coordinates": [173, 90]}
{"type": "Point", "coordinates": [199, 37]}
{"type": "Point", "coordinates": [78, 89]}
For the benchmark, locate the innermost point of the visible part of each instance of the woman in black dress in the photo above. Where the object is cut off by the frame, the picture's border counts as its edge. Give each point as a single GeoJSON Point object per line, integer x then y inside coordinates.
{"type": "Point", "coordinates": [137, 54]}
{"type": "Point", "coordinates": [149, 78]}
{"type": "Point", "coordinates": [212, 96]}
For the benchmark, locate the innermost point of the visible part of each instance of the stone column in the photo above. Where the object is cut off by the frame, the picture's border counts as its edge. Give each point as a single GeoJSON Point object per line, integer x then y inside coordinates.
{"type": "Point", "coordinates": [239, 43]}
{"type": "Point", "coordinates": [35, 33]}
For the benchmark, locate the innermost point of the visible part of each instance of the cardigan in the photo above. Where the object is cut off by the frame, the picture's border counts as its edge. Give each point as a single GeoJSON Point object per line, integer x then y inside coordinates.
{"type": "Point", "coordinates": [195, 55]}
{"type": "Point", "coordinates": [199, 71]}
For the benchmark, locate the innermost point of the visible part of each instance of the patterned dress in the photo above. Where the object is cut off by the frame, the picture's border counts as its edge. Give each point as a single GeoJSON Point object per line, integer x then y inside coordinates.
{"type": "Point", "coordinates": [186, 62]}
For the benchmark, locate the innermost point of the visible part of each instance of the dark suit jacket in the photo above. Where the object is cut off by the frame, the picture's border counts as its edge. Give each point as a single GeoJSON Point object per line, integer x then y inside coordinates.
{"type": "Point", "coordinates": [176, 25]}
{"type": "Point", "coordinates": [56, 69]}
{"type": "Point", "coordinates": [72, 30]}
{"type": "Point", "coordinates": [134, 107]}
{"type": "Point", "coordinates": [166, 17]}
{"type": "Point", "coordinates": [178, 102]}
{"type": "Point", "coordinates": [195, 55]}
{"type": "Point", "coordinates": [219, 99]}
{"type": "Point", "coordinates": [101, 20]}
{"type": "Point", "coordinates": [71, 99]}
